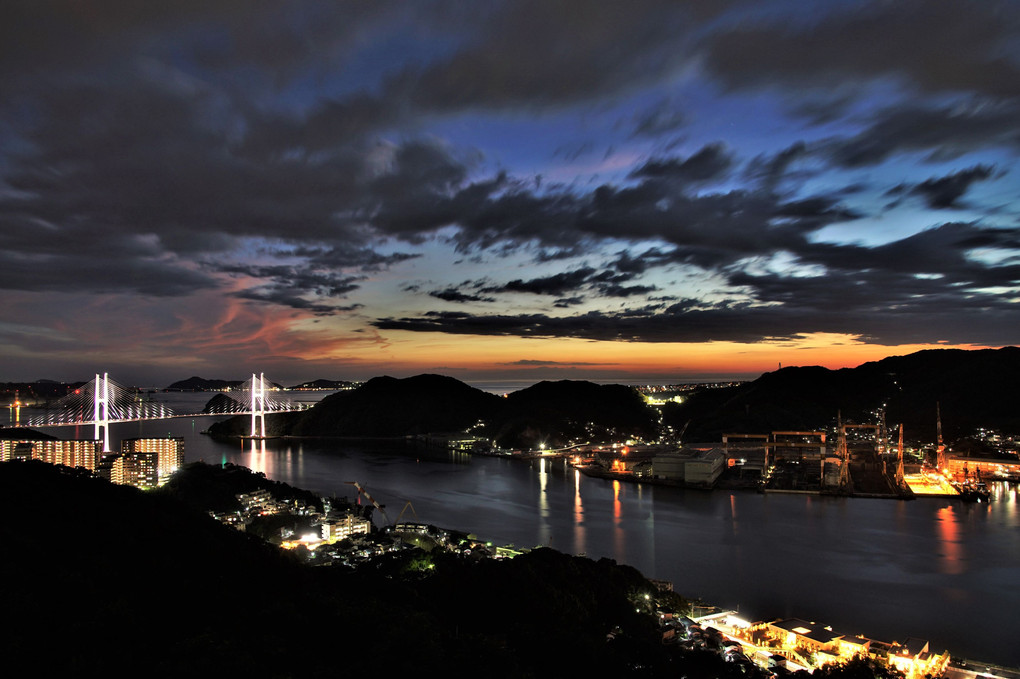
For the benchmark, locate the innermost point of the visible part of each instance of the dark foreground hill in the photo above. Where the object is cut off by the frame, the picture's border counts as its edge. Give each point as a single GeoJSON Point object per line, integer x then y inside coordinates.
{"type": "Point", "coordinates": [103, 580]}
{"type": "Point", "coordinates": [973, 388]}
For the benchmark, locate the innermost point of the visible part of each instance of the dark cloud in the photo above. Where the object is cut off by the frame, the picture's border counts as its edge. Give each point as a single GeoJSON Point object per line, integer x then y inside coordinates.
{"type": "Point", "coordinates": [292, 286]}
{"type": "Point", "coordinates": [687, 322]}
{"type": "Point", "coordinates": [343, 256]}
{"type": "Point", "coordinates": [561, 253]}
{"type": "Point", "coordinates": [704, 228]}
{"type": "Point", "coordinates": [770, 170]}
{"type": "Point", "coordinates": [606, 283]}
{"type": "Point", "coordinates": [944, 192]}
{"type": "Point", "coordinates": [905, 291]}
{"type": "Point", "coordinates": [282, 296]}
{"type": "Point", "coordinates": [710, 163]}
{"type": "Point", "coordinates": [934, 46]}
{"type": "Point", "coordinates": [614, 290]}
{"type": "Point", "coordinates": [556, 284]}
{"type": "Point", "coordinates": [454, 295]}
{"type": "Point", "coordinates": [663, 118]}
{"type": "Point", "coordinates": [134, 179]}
{"type": "Point", "coordinates": [275, 40]}
{"type": "Point", "coordinates": [596, 53]}
{"type": "Point", "coordinates": [942, 133]}
{"type": "Point", "coordinates": [69, 271]}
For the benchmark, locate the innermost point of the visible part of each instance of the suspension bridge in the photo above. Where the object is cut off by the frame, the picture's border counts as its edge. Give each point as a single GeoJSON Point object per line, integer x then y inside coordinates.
{"type": "Point", "coordinates": [102, 402]}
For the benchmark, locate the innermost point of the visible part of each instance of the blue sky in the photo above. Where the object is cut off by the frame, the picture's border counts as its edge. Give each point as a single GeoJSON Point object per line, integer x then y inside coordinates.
{"type": "Point", "coordinates": [656, 190]}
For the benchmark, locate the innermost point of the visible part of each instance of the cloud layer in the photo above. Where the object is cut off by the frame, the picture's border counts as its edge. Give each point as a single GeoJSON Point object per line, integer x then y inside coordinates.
{"type": "Point", "coordinates": [665, 172]}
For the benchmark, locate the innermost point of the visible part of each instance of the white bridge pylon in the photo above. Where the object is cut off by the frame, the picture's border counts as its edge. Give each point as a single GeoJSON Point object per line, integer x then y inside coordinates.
{"type": "Point", "coordinates": [258, 406]}
{"type": "Point", "coordinates": [102, 401]}
{"type": "Point", "coordinates": [99, 403]}
{"type": "Point", "coordinates": [101, 412]}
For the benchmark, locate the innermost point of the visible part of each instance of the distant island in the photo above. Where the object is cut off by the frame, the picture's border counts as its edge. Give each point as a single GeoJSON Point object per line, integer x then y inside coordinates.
{"type": "Point", "coordinates": [202, 384]}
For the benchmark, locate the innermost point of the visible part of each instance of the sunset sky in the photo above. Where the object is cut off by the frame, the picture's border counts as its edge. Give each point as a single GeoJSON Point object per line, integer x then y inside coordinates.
{"type": "Point", "coordinates": [654, 191]}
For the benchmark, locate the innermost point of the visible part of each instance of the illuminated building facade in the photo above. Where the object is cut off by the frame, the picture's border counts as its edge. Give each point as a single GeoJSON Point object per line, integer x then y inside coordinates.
{"type": "Point", "coordinates": [984, 468]}
{"type": "Point", "coordinates": [83, 454]}
{"type": "Point", "coordinates": [169, 453]}
{"type": "Point", "coordinates": [257, 502]}
{"type": "Point", "coordinates": [801, 635]}
{"type": "Point", "coordinates": [343, 527]}
{"type": "Point", "coordinates": [140, 470]}
{"type": "Point", "coordinates": [916, 660]}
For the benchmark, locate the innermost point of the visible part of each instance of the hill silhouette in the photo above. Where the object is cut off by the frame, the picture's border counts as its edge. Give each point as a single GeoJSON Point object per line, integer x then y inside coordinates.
{"type": "Point", "coordinates": [555, 413]}
{"type": "Point", "coordinates": [201, 384]}
{"type": "Point", "coordinates": [974, 389]}
{"type": "Point", "coordinates": [382, 407]}
{"type": "Point", "coordinates": [324, 384]}
{"type": "Point", "coordinates": [552, 413]}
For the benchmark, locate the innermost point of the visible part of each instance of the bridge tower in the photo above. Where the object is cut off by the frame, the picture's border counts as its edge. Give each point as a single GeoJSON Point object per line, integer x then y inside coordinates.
{"type": "Point", "coordinates": [101, 412]}
{"type": "Point", "coordinates": [258, 406]}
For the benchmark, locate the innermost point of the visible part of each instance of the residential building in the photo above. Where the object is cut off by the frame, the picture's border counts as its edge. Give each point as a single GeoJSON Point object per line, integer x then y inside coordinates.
{"type": "Point", "coordinates": [83, 454]}
{"type": "Point", "coordinates": [140, 470]}
{"type": "Point", "coordinates": [169, 452]}
{"type": "Point", "coordinates": [338, 528]}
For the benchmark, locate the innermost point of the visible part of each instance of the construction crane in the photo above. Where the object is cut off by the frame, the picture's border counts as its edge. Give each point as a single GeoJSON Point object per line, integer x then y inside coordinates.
{"type": "Point", "coordinates": [362, 491]}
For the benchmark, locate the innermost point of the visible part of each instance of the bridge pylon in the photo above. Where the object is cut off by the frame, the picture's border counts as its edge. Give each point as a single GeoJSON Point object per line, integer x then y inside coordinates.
{"type": "Point", "coordinates": [101, 412]}
{"type": "Point", "coordinates": [258, 406]}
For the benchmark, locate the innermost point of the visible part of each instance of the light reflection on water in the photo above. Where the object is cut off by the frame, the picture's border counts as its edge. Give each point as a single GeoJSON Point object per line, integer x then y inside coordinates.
{"type": "Point", "coordinates": [952, 561]}
{"type": "Point", "coordinates": [932, 568]}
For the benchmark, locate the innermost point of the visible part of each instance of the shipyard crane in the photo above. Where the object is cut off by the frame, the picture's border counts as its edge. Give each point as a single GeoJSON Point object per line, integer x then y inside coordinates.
{"type": "Point", "coordinates": [404, 510]}
{"type": "Point", "coordinates": [845, 484]}
{"type": "Point", "coordinates": [940, 448]}
{"type": "Point", "coordinates": [900, 481]}
{"type": "Point", "coordinates": [362, 491]}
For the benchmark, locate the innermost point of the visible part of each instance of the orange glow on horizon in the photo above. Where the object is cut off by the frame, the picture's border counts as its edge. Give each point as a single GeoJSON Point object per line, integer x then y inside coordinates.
{"type": "Point", "coordinates": [412, 353]}
{"type": "Point", "coordinates": [208, 334]}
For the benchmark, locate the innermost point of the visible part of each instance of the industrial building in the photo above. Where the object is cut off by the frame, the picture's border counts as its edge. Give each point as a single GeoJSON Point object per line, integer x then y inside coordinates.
{"type": "Point", "coordinates": [692, 466]}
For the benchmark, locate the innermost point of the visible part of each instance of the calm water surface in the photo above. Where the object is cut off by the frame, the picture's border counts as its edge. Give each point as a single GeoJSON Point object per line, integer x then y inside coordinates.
{"type": "Point", "coordinates": [936, 569]}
